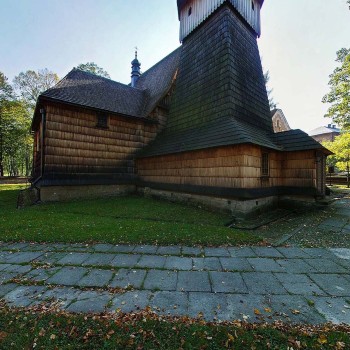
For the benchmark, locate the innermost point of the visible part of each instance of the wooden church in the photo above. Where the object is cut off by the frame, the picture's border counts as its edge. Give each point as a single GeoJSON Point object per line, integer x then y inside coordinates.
{"type": "Point", "coordinates": [194, 127]}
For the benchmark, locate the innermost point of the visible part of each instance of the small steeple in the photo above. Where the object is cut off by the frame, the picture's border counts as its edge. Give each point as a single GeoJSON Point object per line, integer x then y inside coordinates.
{"type": "Point", "coordinates": [135, 69]}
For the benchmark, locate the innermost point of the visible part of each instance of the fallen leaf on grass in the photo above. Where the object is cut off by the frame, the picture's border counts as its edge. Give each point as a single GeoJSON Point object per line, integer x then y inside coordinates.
{"type": "Point", "coordinates": [322, 339]}
{"type": "Point", "coordinates": [3, 335]}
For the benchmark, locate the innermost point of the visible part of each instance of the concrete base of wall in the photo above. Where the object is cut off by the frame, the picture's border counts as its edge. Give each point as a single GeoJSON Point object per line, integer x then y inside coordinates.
{"type": "Point", "coordinates": [66, 193]}
{"type": "Point", "coordinates": [234, 207]}
{"type": "Point", "coordinates": [237, 208]}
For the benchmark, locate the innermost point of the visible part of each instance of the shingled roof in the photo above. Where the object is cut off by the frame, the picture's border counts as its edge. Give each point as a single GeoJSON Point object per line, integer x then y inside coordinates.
{"type": "Point", "coordinates": [85, 89]}
{"type": "Point", "coordinates": [297, 140]}
{"type": "Point", "coordinates": [157, 81]}
{"type": "Point", "coordinates": [89, 90]}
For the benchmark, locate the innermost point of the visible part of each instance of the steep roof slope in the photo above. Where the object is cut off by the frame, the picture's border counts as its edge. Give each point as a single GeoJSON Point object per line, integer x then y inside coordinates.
{"type": "Point", "coordinates": [157, 81]}
{"type": "Point", "coordinates": [89, 90]}
{"type": "Point", "coordinates": [85, 89]}
{"type": "Point", "coordinates": [324, 130]}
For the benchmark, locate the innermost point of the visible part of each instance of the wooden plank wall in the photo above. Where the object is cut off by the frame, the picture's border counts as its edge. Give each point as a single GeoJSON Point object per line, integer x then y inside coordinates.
{"type": "Point", "coordinates": [234, 167]}
{"type": "Point", "coordinates": [75, 145]}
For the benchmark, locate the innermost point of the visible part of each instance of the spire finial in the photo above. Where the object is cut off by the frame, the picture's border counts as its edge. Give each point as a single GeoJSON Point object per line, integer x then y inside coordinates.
{"type": "Point", "coordinates": [135, 69]}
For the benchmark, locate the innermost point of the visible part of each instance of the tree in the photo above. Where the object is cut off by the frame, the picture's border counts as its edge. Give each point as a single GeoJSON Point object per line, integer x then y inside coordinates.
{"type": "Point", "coordinates": [31, 84]}
{"type": "Point", "coordinates": [6, 95]}
{"type": "Point", "coordinates": [16, 139]}
{"type": "Point", "coordinates": [341, 149]}
{"type": "Point", "coordinates": [339, 96]}
{"type": "Point", "coordinates": [272, 103]}
{"type": "Point", "coordinates": [93, 68]}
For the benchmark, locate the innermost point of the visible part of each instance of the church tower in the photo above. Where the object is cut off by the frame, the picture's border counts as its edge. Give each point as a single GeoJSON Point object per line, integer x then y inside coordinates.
{"type": "Point", "coordinates": [220, 82]}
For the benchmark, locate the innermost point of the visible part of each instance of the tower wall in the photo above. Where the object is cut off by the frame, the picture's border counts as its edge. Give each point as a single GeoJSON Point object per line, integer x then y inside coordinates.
{"type": "Point", "coordinates": [193, 12]}
{"type": "Point", "coordinates": [220, 76]}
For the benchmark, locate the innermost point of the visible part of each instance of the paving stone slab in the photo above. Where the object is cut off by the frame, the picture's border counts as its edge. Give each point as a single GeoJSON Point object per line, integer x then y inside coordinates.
{"type": "Point", "coordinates": [334, 310]}
{"type": "Point", "coordinates": [7, 276]}
{"type": "Point", "coordinates": [244, 252]}
{"type": "Point", "coordinates": [299, 284]}
{"type": "Point", "coordinates": [333, 284]}
{"type": "Point", "coordinates": [96, 304]}
{"type": "Point", "coordinates": [40, 275]}
{"type": "Point", "coordinates": [170, 303]}
{"type": "Point", "coordinates": [236, 264]}
{"type": "Point", "coordinates": [96, 278]}
{"type": "Point", "coordinates": [73, 258]}
{"type": "Point", "coordinates": [103, 247]}
{"type": "Point", "coordinates": [68, 276]}
{"type": "Point", "coordinates": [50, 257]}
{"type": "Point", "coordinates": [152, 261]}
{"type": "Point", "coordinates": [17, 268]}
{"type": "Point", "coordinates": [145, 249]}
{"type": "Point", "coordinates": [327, 266]}
{"type": "Point", "coordinates": [293, 252]}
{"type": "Point", "coordinates": [218, 252]}
{"type": "Point", "coordinates": [41, 247]}
{"type": "Point", "coordinates": [209, 264]}
{"type": "Point", "coordinates": [296, 266]}
{"type": "Point", "coordinates": [4, 256]}
{"type": "Point", "coordinates": [243, 307]}
{"type": "Point", "coordinates": [7, 288]}
{"type": "Point", "coordinates": [123, 248]}
{"type": "Point", "coordinates": [343, 253]}
{"type": "Point", "coordinates": [209, 306]}
{"type": "Point", "coordinates": [131, 301]}
{"type": "Point", "coordinates": [193, 281]}
{"type": "Point", "coordinates": [160, 280]}
{"type": "Point", "coordinates": [125, 260]}
{"type": "Point", "coordinates": [125, 278]}
{"type": "Point", "coordinates": [267, 252]}
{"type": "Point", "coordinates": [15, 246]}
{"type": "Point", "coordinates": [335, 223]}
{"type": "Point", "coordinates": [23, 257]}
{"type": "Point", "coordinates": [323, 253]}
{"type": "Point", "coordinates": [178, 263]}
{"type": "Point", "coordinates": [294, 309]}
{"type": "Point", "coordinates": [59, 246]}
{"type": "Point", "coordinates": [227, 282]}
{"type": "Point", "coordinates": [99, 259]}
{"type": "Point", "coordinates": [265, 264]}
{"type": "Point", "coordinates": [4, 266]}
{"type": "Point", "coordinates": [63, 295]}
{"type": "Point", "coordinates": [169, 250]}
{"type": "Point", "coordinates": [263, 283]}
{"type": "Point", "coordinates": [23, 296]}
{"type": "Point", "coordinates": [192, 251]}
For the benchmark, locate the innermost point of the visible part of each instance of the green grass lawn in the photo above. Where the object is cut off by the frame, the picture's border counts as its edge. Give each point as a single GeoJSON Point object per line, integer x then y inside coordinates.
{"type": "Point", "coordinates": [22, 329]}
{"type": "Point", "coordinates": [129, 219]}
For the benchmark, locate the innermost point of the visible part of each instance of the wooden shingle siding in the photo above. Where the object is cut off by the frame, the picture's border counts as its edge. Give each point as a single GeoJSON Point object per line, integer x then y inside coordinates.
{"type": "Point", "coordinates": [201, 10]}
{"type": "Point", "coordinates": [232, 167]}
{"type": "Point", "coordinates": [75, 145]}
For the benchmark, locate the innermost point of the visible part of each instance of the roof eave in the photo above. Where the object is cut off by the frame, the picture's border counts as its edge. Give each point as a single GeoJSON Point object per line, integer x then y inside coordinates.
{"type": "Point", "coordinates": [50, 99]}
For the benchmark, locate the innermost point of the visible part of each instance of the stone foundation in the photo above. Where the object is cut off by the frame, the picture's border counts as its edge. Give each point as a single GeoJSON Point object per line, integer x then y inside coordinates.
{"type": "Point", "coordinates": [66, 193]}
{"type": "Point", "coordinates": [232, 206]}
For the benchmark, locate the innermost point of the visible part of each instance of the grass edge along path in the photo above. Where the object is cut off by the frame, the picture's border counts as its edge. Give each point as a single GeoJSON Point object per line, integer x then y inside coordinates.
{"type": "Point", "coordinates": [46, 328]}
{"type": "Point", "coordinates": [120, 220]}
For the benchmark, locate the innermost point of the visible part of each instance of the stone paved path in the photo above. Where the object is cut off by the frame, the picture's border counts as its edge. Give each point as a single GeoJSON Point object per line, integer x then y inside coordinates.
{"type": "Point", "coordinates": [291, 284]}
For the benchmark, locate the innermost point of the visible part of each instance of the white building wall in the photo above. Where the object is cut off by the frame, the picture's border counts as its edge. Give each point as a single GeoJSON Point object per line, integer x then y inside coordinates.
{"type": "Point", "coordinates": [202, 9]}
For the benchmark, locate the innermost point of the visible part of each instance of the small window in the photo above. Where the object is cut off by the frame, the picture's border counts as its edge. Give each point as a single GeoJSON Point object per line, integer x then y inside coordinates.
{"type": "Point", "coordinates": [253, 6]}
{"type": "Point", "coordinates": [190, 11]}
{"type": "Point", "coordinates": [265, 169]}
{"type": "Point", "coordinates": [102, 120]}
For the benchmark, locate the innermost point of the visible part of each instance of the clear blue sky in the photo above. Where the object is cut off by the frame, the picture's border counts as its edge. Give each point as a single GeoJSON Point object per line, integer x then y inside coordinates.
{"type": "Point", "coordinates": [298, 43]}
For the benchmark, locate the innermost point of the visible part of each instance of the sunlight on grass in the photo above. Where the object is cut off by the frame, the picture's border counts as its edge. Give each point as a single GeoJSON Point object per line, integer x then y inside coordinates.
{"type": "Point", "coordinates": [129, 219]}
